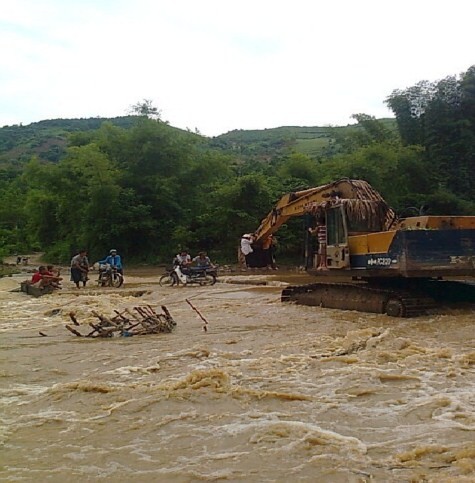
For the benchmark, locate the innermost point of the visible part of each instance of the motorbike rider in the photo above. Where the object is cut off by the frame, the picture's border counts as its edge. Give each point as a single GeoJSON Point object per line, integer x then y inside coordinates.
{"type": "Point", "coordinates": [114, 260]}
{"type": "Point", "coordinates": [184, 260]}
{"type": "Point", "coordinates": [202, 261]}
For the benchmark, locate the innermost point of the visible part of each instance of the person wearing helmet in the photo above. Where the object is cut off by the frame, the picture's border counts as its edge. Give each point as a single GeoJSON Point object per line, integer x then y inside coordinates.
{"type": "Point", "coordinates": [114, 260]}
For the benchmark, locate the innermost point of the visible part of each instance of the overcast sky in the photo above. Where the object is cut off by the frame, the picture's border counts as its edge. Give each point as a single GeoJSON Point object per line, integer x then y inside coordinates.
{"type": "Point", "coordinates": [219, 65]}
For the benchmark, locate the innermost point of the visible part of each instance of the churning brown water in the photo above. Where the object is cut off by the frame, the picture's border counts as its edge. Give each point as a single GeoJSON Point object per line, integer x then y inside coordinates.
{"type": "Point", "coordinates": [272, 392]}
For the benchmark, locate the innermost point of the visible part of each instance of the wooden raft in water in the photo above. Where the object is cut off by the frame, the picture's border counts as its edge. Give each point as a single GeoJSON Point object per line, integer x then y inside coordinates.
{"type": "Point", "coordinates": [127, 323]}
{"type": "Point", "coordinates": [29, 289]}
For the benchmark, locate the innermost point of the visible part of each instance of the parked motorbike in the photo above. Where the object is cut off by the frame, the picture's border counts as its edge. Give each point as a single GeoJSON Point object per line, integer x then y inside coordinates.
{"type": "Point", "coordinates": [109, 277]}
{"type": "Point", "coordinates": [197, 275]}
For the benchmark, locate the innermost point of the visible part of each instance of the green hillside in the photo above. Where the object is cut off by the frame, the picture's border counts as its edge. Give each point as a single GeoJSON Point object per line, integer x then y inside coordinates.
{"type": "Point", "coordinates": [313, 141]}
{"type": "Point", "coordinates": [47, 139]}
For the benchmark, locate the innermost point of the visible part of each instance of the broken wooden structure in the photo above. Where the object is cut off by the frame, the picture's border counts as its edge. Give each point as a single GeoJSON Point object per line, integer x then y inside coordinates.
{"type": "Point", "coordinates": [30, 289]}
{"type": "Point", "coordinates": [143, 320]}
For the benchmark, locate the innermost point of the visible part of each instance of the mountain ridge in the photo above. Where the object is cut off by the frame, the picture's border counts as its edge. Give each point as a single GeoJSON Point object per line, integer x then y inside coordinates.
{"type": "Point", "coordinates": [47, 139]}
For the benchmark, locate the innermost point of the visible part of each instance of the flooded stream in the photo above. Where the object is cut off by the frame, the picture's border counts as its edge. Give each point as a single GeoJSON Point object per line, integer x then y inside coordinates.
{"type": "Point", "coordinates": [271, 392]}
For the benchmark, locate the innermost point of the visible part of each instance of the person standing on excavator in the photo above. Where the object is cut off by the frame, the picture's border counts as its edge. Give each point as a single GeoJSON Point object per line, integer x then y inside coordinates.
{"type": "Point", "coordinates": [322, 246]}
{"type": "Point", "coordinates": [321, 232]}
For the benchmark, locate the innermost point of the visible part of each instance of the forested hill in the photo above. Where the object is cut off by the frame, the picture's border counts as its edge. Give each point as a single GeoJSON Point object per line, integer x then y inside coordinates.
{"type": "Point", "coordinates": [47, 140]}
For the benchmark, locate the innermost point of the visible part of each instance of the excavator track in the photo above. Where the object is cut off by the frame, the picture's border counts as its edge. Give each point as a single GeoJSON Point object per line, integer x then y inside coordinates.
{"type": "Point", "coordinates": [361, 297]}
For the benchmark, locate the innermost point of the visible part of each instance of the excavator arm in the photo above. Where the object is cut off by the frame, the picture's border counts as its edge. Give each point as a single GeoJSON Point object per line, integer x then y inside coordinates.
{"type": "Point", "coordinates": [301, 202]}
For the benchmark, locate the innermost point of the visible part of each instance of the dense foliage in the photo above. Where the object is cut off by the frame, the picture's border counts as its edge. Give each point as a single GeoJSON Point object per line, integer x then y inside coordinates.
{"type": "Point", "coordinates": [440, 117]}
{"type": "Point", "coordinates": [148, 189]}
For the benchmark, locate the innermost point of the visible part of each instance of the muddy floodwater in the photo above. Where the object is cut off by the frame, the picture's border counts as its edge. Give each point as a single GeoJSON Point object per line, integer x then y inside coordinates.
{"type": "Point", "coordinates": [271, 392]}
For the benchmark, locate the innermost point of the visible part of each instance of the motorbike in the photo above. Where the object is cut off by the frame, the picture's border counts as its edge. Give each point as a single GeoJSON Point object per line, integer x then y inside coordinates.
{"type": "Point", "coordinates": [197, 275]}
{"type": "Point", "coordinates": [109, 277]}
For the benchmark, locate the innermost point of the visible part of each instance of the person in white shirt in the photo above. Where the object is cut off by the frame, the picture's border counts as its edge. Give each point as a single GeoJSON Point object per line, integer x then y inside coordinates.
{"type": "Point", "coordinates": [184, 260]}
{"type": "Point", "coordinates": [246, 246]}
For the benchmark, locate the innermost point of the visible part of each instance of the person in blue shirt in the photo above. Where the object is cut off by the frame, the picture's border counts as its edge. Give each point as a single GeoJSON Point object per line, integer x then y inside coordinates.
{"type": "Point", "coordinates": [113, 260]}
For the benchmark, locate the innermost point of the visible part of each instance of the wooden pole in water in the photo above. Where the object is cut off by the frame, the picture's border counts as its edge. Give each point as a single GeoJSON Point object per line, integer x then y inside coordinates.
{"type": "Point", "coordinates": [74, 331]}
{"type": "Point", "coordinates": [205, 327]}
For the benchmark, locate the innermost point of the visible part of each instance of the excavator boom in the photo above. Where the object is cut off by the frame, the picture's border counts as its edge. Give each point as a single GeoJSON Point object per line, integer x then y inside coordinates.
{"type": "Point", "coordinates": [301, 202]}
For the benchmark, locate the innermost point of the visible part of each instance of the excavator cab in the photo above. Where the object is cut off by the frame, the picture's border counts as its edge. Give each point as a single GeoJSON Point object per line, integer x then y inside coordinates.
{"type": "Point", "coordinates": [345, 221]}
{"type": "Point", "coordinates": [338, 255]}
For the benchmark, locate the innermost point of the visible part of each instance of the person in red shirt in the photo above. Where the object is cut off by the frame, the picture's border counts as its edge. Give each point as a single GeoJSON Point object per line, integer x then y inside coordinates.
{"type": "Point", "coordinates": [38, 276]}
{"type": "Point", "coordinates": [42, 278]}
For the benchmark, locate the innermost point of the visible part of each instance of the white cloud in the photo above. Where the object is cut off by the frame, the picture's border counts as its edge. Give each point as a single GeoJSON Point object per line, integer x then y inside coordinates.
{"type": "Point", "coordinates": [219, 65]}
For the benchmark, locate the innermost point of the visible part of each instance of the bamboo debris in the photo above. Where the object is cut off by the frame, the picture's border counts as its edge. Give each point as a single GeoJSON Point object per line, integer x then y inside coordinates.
{"type": "Point", "coordinates": [364, 204]}
{"type": "Point", "coordinates": [72, 316]}
{"type": "Point", "coordinates": [127, 323]}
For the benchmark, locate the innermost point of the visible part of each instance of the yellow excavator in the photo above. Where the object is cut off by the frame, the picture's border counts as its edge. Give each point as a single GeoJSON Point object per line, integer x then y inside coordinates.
{"type": "Point", "coordinates": [370, 259]}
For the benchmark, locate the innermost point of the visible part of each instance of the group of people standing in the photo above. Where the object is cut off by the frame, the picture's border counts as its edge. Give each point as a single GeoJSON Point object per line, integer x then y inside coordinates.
{"type": "Point", "coordinates": [80, 266]}
{"type": "Point", "coordinates": [250, 255]}
{"type": "Point", "coordinates": [49, 276]}
{"type": "Point", "coordinates": [262, 253]}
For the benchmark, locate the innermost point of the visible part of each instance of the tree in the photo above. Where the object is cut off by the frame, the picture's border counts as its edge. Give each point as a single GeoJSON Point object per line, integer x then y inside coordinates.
{"type": "Point", "coordinates": [375, 131]}
{"type": "Point", "coordinates": [298, 170]}
{"type": "Point", "coordinates": [235, 208]}
{"type": "Point", "coordinates": [409, 106]}
{"type": "Point", "coordinates": [440, 117]}
{"type": "Point", "coordinates": [147, 109]}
